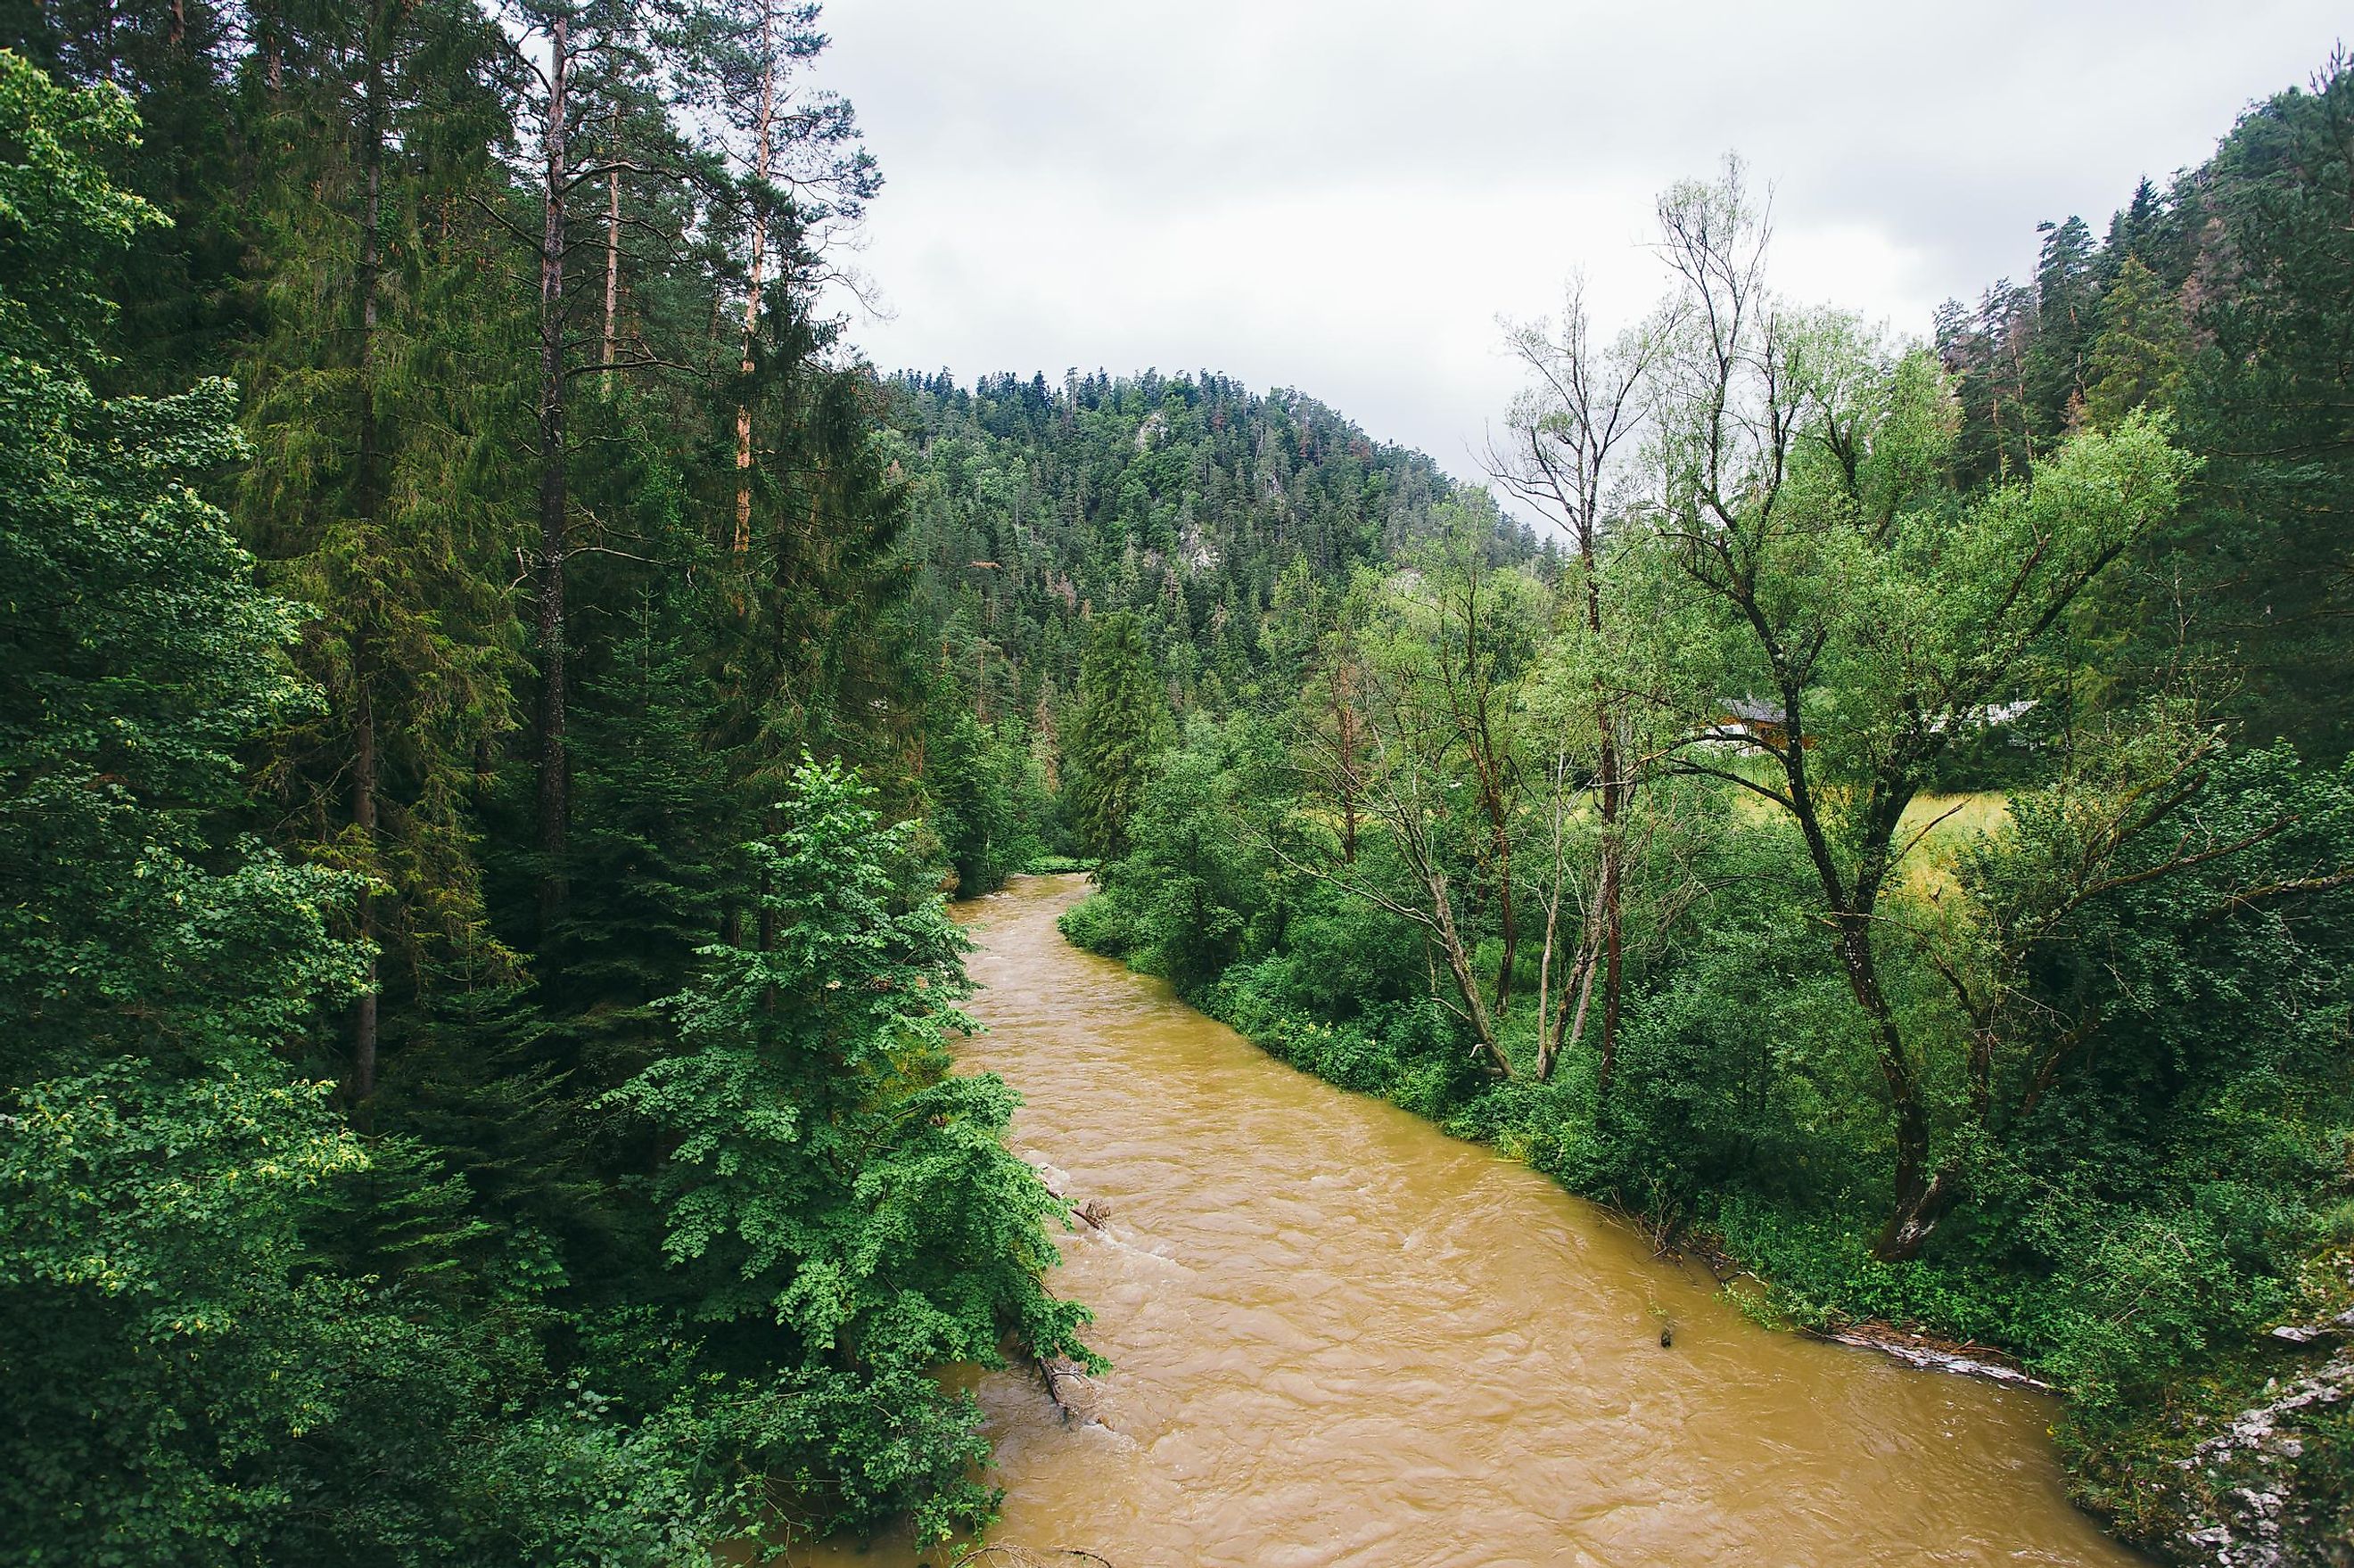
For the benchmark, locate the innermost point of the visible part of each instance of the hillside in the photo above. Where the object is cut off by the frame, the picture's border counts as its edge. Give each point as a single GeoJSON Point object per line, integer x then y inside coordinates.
{"type": "Point", "coordinates": [2224, 298]}
{"type": "Point", "coordinates": [1184, 499]}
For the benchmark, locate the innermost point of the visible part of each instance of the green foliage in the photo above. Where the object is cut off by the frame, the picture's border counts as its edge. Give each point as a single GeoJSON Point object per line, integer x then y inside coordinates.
{"type": "Point", "coordinates": [141, 658]}
{"type": "Point", "coordinates": [60, 212]}
{"type": "Point", "coordinates": [2269, 560]}
{"type": "Point", "coordinates": [373, 435]}
{"type": "Point", "coordinates": [159, 1327]}
{"type": "Point", "coordinates": [2137, 361]}
{"type": "Point", "coordinates": [1120, 722]}
{"type": "Point", "coordinates": [830, 1177]}
{"type": "Point", "coordinates": [430, 1319]}
{"type": "Point", "coordinates": [648, 855]}
{"type": "Point", "coordinates": [2228, 298]}
{"type": "Point", "coordinates": [1190, 897]}
{"type": "Point", "coordinates": [989, 799]}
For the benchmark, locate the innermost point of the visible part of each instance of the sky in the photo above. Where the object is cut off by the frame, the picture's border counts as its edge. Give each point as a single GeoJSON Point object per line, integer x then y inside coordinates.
{"type": "Point", "coordinates": [1345, 195]}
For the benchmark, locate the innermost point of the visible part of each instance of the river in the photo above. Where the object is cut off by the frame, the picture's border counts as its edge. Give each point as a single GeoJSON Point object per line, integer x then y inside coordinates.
{"type": "Point", "coordinates": [1340, 1337]}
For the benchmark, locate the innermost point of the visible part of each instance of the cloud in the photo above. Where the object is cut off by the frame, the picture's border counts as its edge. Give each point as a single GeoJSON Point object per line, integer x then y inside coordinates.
{"type": "Point", "coordinates": [1342, 196]}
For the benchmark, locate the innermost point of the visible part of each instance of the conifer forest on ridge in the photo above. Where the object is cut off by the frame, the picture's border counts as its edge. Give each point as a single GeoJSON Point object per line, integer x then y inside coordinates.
{"type": "Point", "coordinates": [500, 696]}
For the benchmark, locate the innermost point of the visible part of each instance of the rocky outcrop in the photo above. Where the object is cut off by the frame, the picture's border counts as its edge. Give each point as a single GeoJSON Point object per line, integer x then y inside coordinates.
{"type": "Point", "coordinates": [2267, 1487]}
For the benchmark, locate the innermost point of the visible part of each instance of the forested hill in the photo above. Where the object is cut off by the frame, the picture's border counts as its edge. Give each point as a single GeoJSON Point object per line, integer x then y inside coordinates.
{"type": "Point", "coordinates": [1184, 499]}
{"type": "Point", "coordinates": [496, 687]}
{"type": "Point", "coordinates": [2223, 298]}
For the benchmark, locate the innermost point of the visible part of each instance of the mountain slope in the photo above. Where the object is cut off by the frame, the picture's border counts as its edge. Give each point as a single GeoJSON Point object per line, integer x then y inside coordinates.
{"type": "Point", "coordinates": [1184, 499]}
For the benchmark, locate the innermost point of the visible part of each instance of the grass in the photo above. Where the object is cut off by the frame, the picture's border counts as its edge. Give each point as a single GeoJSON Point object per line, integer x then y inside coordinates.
{"type": "Point", "coordinates": [1950, 820]}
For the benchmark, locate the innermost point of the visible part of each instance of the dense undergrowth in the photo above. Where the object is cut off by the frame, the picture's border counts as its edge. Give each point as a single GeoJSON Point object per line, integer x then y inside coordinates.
{"type": "Point", "coordinates": [2134, 1241]}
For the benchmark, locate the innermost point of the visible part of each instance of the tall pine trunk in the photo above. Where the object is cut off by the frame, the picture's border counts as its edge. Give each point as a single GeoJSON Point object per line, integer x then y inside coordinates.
{"type": "Point", "coordinates": [364, 819]}
{"type": "Point", "coordinates": [368, 495]}
{"type": "Point", "coordinates": [554, 794]}
{"type": "Point", "coordinates": [613, 268]}
{"type": "Point", "coordinates": [764, 127]}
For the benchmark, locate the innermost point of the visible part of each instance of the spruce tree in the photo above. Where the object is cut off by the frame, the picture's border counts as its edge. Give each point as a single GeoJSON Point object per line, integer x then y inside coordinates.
{"type": "Point", "coordinates": [841, 1205]}
{"type": "Point", "coordinates": [652, 841]}
{"type": "Point", "coordinates": [373, 491]}
{"type": "Point", "coordinates": [1121, 722]}
{"type": "Point", "coordinates": [2137, 361]}
{"type": "Point", "coordinates": [2066, 319]}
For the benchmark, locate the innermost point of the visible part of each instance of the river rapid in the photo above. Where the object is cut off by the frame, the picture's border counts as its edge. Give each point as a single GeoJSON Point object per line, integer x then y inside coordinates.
{"type": "Point", "coordinates": [1340, 1337]}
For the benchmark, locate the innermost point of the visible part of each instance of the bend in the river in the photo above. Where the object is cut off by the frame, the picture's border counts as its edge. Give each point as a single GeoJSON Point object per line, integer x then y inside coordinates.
{"type": "Point", "coordinates": [1341, 1337]}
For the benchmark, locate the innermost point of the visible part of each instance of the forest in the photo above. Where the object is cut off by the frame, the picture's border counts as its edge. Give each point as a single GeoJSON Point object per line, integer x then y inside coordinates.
{"type": "Point", "coordinates": [501, 693]}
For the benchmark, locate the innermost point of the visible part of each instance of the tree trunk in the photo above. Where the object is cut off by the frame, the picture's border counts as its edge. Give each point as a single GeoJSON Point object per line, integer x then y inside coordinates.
{"type": "Point", "coordinates": [1613, 923]}
{"type": "Point", "coordinates": [1346, 742]}
{"type": "Point", "coordinates": [364, 819]}
{"type": "Point", "coordinates": [1507, 921]}
{"type": "Point", "coordinates": [368, 492]}
{"type": "Point", "coordinates": [553, 801]}
{"type": "Point", "coordinates": [273, 51]}
{"type": "Point", "coordinates": [1467, 983]}
{"type": "Point", "coordinates": [763, 124]}
{"type": "Point", "coordinates": [1612, 803]}
{"type": "Point", "coordinates": [370, 279]}
{"type": "Point", "coordinates": [1921, 1197]}
{"type": "Point", "coordinates": [612, 268]}
{"type": "Point", "coordinates": [1567, 1025]}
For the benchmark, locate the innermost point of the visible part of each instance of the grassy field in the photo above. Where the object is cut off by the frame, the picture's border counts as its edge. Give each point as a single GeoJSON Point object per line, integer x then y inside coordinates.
{"type": "Point", "coordinates": [1950, 819]}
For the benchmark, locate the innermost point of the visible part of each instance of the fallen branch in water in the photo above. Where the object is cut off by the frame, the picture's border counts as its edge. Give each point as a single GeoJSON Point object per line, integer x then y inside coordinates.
{"type": "Point", "coordinates": [1067, 1384]}
{"type": "Point", "coordinates": [1923, 1352]}
{"type": "Point", "coordinates": [1053, 1376]}
{"type": "Point", "coordinates": [1931, 1354]}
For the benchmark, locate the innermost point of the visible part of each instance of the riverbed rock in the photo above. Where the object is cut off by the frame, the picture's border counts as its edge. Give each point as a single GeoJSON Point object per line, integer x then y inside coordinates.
{"type": "Point", "coordinates": [2250, 1495]}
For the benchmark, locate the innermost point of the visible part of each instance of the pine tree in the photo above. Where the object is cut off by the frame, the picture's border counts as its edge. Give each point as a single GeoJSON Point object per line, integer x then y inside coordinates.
{"type": "Point", "coordinates": [366, 493]}
{"type": "Point", "coordinates": [842, 1205]}
{"type": "Point", "coordinates": [2138, 359]}
{"type": "Point", "coordinates": [2276, 299]}
{"type": "Point", "coordinates": [2066, 320]}
{"type": "Point", "coordinates": [1120, 722]}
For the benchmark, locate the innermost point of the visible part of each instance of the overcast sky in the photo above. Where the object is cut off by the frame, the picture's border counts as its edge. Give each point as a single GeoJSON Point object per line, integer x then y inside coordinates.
{"type": "Point", "coordinates": [1342, 196]}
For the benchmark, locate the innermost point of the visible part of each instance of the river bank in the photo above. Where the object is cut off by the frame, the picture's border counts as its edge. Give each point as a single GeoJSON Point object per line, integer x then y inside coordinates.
{"type": "Point", "coordinates": [2236, 1468]}
{"type": "Point", "coordinates": [1339, 1336]}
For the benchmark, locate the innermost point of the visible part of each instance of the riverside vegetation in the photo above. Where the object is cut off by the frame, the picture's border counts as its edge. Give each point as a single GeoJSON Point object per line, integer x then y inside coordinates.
{"type": "Point", "coordinates": [497, 690]}
{"type": "Point", "coordinates": [1639, 857]}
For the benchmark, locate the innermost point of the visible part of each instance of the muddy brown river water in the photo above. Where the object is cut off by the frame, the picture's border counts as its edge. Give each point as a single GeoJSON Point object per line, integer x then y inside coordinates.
{"type": "Point", "coordinates": [1341, 1338]}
